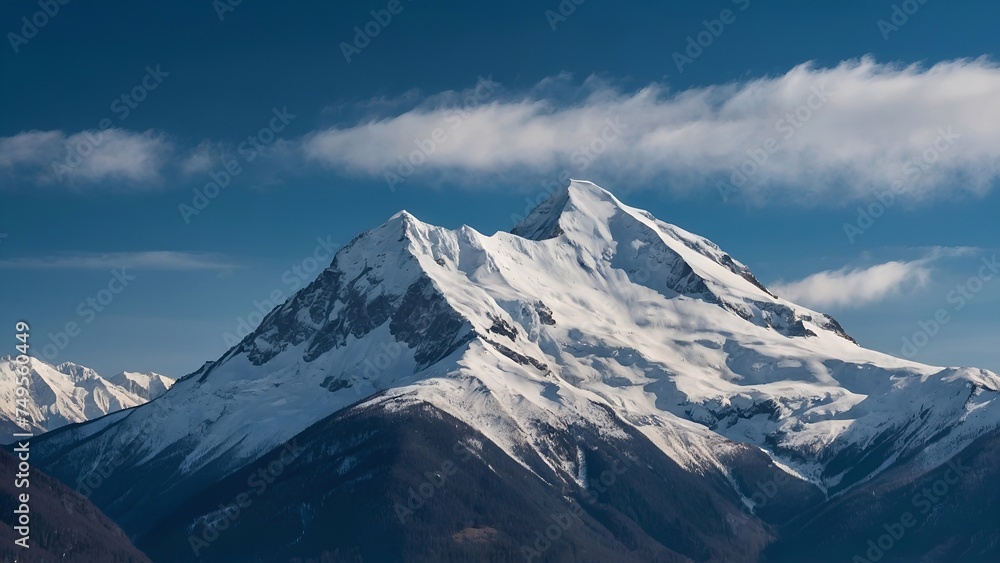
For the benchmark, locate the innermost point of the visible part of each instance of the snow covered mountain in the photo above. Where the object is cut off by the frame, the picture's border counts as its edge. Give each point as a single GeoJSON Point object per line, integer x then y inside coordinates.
{"type": "Point", "coordinates": [592, 332]}
{"type": "Point", "coordinates": [147, 385]}
{"type": "Point", "coordinates": [61, 395]}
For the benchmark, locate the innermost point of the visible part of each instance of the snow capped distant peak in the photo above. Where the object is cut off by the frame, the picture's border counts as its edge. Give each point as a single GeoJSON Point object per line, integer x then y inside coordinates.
{"type": "Point", "coordinates": [76, 372]}
{"type": "Point", "coordinates": [147, 385]}
{"type": "Point", "coordinates": [59, 395]}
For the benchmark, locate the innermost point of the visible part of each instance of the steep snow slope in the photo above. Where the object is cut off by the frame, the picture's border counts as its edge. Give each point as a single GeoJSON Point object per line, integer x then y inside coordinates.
{"type": "Point", "coordinates": [588, 306]}
{"type": "Point", "coordinates": [59, 395]}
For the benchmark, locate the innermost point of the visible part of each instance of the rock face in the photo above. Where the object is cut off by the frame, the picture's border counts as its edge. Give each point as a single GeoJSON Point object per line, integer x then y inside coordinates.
{"type": "Point", "coordinates": [592, 333]}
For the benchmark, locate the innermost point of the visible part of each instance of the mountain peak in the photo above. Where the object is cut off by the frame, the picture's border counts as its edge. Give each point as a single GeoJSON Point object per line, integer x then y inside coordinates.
{"type": "Point", "coordinates": [580, 197]}
{"type": "Point", "coordinates": [402, 216]}
{"type": "Point", "coordinates": [402, 226]}
{"type": "Point", "coordinates": [663, 257]}
{"type": "Point", "coordinates": [76, 372]}
{"type": "Point", "coordinates": [148, 385]}
{"type": "Point", "coordinates": [588, 189]}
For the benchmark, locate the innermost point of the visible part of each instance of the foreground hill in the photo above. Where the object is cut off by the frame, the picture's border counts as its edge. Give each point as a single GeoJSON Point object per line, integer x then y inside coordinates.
{"type": "Point", "coordinates": [64, 526]}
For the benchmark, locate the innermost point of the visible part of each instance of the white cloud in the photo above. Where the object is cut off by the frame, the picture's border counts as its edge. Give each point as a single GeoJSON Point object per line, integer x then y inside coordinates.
{"type": "Point", "coordinates": [149, 260]}
{"type": "Point", "coordinates": [85, 157]}
{"type": "Point", "coordinates": [846, 288]}
{"type": "Point", "coordinates": [201, 158]}
{"type": "Point", "coordinates": [877, 123]}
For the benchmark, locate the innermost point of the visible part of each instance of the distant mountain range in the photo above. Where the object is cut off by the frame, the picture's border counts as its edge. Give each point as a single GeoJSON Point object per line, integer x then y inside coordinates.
{"type": "Point", "coordinates": [70, 393]}
{"type": "Point", "coordinates": [596, 385]}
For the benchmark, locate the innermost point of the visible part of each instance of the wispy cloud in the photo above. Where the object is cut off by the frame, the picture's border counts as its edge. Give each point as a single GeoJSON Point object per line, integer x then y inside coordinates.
{"type": "Point", "coordinates": [150, 260]}
{"type": "Point", "coordinates": [870, 126]}
{"type": "Point", "coordinates": [86, 157]}
{"type": "Point", "coordinates": [846, 288]}
{"type": "Point", "coordinates": [201, 158]}
{"type": "Point", "coordinates": [859, 286]}
{"type": "Point", "coordinates": [876, 123]}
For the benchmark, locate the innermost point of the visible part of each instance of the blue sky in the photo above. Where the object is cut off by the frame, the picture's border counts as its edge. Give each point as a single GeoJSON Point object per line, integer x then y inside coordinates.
{"type": "Point", "coordinates": [813, 109]}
